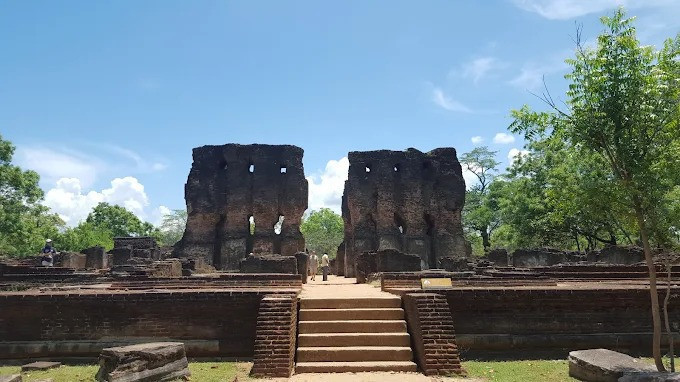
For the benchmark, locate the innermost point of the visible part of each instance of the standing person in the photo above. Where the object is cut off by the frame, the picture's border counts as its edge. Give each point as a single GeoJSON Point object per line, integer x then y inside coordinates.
{"type": "Point", "coordinates": [325, 266]}
{"type": "Point", "coordinates": [47, 259]}
{"type": "Point", "coordinates": [313, 264]}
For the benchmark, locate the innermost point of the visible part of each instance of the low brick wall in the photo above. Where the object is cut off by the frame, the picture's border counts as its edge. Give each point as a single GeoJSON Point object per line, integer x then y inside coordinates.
{"type": "Point", "coordinates": [524, 322]}
{"type": "Point", "coordinates": [275, 337]}
{"type": "Point", "coordinates": [216, 322]}
{"type": "Point", "coordinates": [432, 333]}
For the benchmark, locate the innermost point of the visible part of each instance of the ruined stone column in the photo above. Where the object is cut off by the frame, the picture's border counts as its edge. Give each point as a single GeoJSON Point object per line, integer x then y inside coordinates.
{"type": "Point", "coordinates": [404, 200]}
{"type": "Point", "coordinates": [231, 185]}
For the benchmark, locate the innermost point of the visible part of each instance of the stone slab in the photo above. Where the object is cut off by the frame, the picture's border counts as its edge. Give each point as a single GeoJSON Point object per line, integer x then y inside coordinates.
{"type": "Point", "coordinates": [156, 361]}
{"type": "Point", "coordinates": [651, 377]}
{"type": "Point", "coordinates": [10, 378]}
{"type": "Point", "coordinates": [40, 365]}
{"type": "Point", "coordinates": [603, 365]}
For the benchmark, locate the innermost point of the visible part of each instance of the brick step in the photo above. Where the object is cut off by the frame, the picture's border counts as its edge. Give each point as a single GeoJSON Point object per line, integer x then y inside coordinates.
{"type": "Point", "coordinates": [354, 339]}
{"type": "Point", "coordinates": [352, 326]}
{"type": "Point", "coordinates": [354, 367]}
{"type": "Point", "coordinates": [354, 354]}
{"type": "Point", "coordinates": [349, 303]}
{"type": "Point", "coordinates": [351, 314]}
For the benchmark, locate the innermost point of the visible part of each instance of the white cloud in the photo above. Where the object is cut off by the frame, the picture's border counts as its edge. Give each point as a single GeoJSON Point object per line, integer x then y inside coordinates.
{"type": "Point", "coordinates": [568, 9]}
{"type": "Point", "coordinates": [515, 154]}
{"type": "Point", "coordinates": [141, 165]}
{"type": "Point", "coordinates": [325, 190]}
{"type": "Point", "coordinates": [470, 178]}
{"type": "Point", "coordinates": [477, 139]}
{"type": "Point", "coordinates": [157, 214]}
{"type": "Point", "coordinates": [532, 73]}
{"type": "Point", "coordinates": [478, 68]}
{"type": "Point", "coordinates": [446, 102]}
{"type": "Point", "coordinates": [53, 165]}
{"type": "Point", "coordinates": [54, 162]}
{"type": "Point", "coordinates": [503, 138]}
{"type": "Point", "coordinates": [73, 205]}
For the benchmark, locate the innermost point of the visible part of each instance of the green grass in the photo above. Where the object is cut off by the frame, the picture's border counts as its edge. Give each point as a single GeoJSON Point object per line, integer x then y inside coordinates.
{"type": "Point", "coordinates": [519, 371]}
{"type": "Point", "coordinates": [200, 371]}
{"type": "Point", "coordinates": [511, 371]}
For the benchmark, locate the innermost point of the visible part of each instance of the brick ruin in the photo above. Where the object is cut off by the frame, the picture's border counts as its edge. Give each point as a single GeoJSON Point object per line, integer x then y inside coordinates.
{"type": "Point", "coordinates": [401, 212]}
{"type": "Point", "coordinates": [232, 187]}
{"type": "Point", "coordinates": [405, 200]}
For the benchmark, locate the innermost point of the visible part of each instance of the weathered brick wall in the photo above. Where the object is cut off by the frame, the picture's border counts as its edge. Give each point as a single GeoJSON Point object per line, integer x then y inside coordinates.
{"type": "Point", "coordinates": [224, 280]}
{"type": "Point", "coordinates": [70, 324]}
{"type": "Point", "coordinates": [276, 332]}
{"type": "Point", "coordinates": [432, 333]}
{"type": "Point", "coordinates": [533, 320]}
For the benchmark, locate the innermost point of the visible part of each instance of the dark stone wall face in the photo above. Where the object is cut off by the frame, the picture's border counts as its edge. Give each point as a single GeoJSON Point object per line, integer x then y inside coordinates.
{"type": "Point", "coordinates": [226, 186]}
{"type": "Point", "coordinates": [404, 200]}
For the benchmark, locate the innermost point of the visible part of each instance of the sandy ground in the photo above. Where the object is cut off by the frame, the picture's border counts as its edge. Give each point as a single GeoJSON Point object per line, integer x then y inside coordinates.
{"type": "Point", "coordinates": [372, 377]}
{"type": "Point", "coordinates": [339, 287]}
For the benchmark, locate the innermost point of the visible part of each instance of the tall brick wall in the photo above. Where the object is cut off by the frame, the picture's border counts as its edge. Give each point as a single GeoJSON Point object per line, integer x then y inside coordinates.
{"type": "Point", "coordinates": [275, 337]}
{"type": "Point", "coordinates": [210, 322]}
{"type": "Point", "coordinates": [432, 333]}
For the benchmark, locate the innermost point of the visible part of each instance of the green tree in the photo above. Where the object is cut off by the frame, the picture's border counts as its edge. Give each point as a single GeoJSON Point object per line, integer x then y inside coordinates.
{"type": "Point", "coordinates": [119, 221]}
{"type": "Point", "coordinates": [623, 104]}
{"type": "Point", "coordinates": [323, 231]}
{"type": "Point", "coordinates": [172, 227]}
{"type": "Point", "coordinates": [24, 222]}
{"type": "Point", "coordinates": [84, 235]}
{"type": "Point", "coordinates": [560, 195]}
{"type": "Point", "coordinates": [480, 210]}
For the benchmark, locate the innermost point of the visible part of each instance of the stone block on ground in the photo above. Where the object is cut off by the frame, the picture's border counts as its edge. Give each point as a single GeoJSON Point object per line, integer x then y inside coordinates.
{"type": "Point", "coordinates": [269, 264]}
{"type": "Point", "coordinates": [392, 260]}
{"type": "Point", "coordinates": [499, 257]}
{"type": "Point", "coordinates": [651, 377]}
{"type": "Point", "coordinates": [95, 257]}
{"type": "Point", "coordinates": [156, 361]}
{"type": "Point", "coordinates": [602, 365]}
{"type": "Point", "coordinates": [302, 259]}
{"type": "Point", "coordinates": [10, 378]}
{"type": "Point", "coordinates": [40, 365]}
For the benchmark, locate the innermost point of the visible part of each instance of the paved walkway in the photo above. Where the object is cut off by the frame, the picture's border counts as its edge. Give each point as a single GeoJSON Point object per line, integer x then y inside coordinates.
{"type": "Point", "coordinates": [339, 287]}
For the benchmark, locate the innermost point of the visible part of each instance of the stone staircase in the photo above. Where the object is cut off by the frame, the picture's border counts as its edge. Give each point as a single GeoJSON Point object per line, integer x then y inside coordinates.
{"type": "Point", "coordinates": [338, 335]}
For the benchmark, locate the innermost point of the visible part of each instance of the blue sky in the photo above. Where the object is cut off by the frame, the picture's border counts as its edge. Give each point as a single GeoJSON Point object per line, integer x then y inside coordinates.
{"type": "Point", "coordinates": [106, 99]}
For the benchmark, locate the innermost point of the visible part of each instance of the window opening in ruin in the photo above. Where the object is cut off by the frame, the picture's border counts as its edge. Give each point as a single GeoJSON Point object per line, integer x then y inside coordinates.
{"type": "Point", "coordinates": [283, 169]}
{"type": "Point", "coordinates": [250, 238]}
{"type": "Point", "coordinates": [400, 223]}
{"type": "Point", "coordinates": [279, 225]}
{"type": "Point", "coordinates": [251, 225]}
{"type": "Point", "coordinates": [432, 256]}
{"type": "Point", "coordinates": [368, 168]}
{"type": "Point", "coordinates": [251, 169]}
{"type": "Point", "coordinates": [396, 168]}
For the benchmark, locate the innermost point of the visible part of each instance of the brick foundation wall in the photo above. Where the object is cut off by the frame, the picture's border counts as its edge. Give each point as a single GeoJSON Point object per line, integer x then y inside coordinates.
{"type": "Point", "coordinates": [79, 323]}
{"type": "Point", "coordinates": [522, 322]}
{"type": "Point", "coordinates": [275, 337]}
{"type": "Point", "coordinates": [432, 334]}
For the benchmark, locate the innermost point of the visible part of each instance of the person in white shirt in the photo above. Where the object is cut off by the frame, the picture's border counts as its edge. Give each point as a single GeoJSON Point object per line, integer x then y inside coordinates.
{"type": "Point", "coordinates": [325, 266]}
{"type": "Point", "coordinates": [313, 265]}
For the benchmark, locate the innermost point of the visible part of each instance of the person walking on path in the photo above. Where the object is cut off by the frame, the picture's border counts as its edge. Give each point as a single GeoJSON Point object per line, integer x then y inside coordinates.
{"type": "Point", "coordinates": [325, 265]}
{"type": "Point", "coordinates": [313, 264]}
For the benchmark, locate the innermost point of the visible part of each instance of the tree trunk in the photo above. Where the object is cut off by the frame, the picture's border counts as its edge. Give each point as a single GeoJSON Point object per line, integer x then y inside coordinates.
{"type": "Point", "coordinates": [656, 319]}
{"type": "Point", "coordinates": [485, 239]}
{"type": "Point", "coordinates": [670, 335]}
